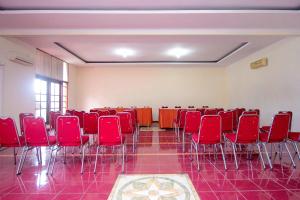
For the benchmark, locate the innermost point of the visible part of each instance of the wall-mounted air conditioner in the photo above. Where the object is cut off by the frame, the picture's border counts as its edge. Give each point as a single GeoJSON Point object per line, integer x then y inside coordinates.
{"type": "Point", "coordinates": [22, 60]}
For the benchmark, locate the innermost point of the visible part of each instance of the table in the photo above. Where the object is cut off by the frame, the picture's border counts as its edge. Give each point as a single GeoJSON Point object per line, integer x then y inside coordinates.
{"type": "Point", "coordinates": [144, 116]}
{"type": "Point", "coordinates": [167, 117]}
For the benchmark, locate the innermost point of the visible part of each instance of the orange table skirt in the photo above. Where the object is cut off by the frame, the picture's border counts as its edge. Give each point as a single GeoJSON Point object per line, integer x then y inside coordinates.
{"type": "Point", "coordinates": [144, 116]}
{"type": "Point", "coordinates": [167, 117]}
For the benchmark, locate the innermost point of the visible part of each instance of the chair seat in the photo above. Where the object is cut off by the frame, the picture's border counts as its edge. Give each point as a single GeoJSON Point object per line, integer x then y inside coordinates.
{"type": "Point", "coordinates": [15, 143]}
{"type": "Point", "coordinates": [52, 140]}
{"type": "Point", "coordinates": [195, 139]}
{"type": "Point", "coordinates": [113, 143]}
{"type": "Point", "coordinates": [265, 128]}
{"type": "Point", "coordinates": [84, 139]}
{"type": "Point", "coordinates": [295, 136]}
{"type": "Point", "coordinates": [230, 136]}
{"type": "Point", "coordinates": [263, 137]}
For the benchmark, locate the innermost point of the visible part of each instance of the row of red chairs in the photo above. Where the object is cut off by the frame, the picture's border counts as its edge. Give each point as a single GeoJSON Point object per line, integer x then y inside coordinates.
{"type": "Point", "coordinates": [209, 129]}
{"type": "Point", "coordinates": [111, 131]}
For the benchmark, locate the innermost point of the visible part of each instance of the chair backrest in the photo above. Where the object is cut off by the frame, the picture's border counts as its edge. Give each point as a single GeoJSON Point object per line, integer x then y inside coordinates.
{"type": "Point", "coordinates": [21, 118]}
{"type": "Point", "coordinates": [79, 114]}
{"type": "Point", "coordinates": [253, 112]}
{"type": "Point", "coordinates": [35, 131]}
{"type": "Point", "coordinates": [256, 110]}
{"type": "Point", "coordinates": [53, 118]}
{"type": "Point", "coordinates": [182, 118]}
{"type": "Point", "coordinates": [126, 122]}
{"type": "Point", "coordinates": [133, 116]}
{"type": "Point", "coordinates": [192, 122]}
{"type": "Point", "coordinates": [210, 129]}
{"type": "Point", "coordinates": [8, 133]}
{"type": "Point", "coordinates": [240, 112]}
{"type": "Point", "coordinates": [227, 121]}
{"type": "Point", "coordinates": [191, 106]}
{"type": "Point", "coordinates": [109, 130]}
{"type": "Point", "coordinates": [211, 111]}
{"type": "Point", "coordinates": [103, 112]}
{"type": "Point", "coordinates": [71, 112]}
{"type": "Point", "coordinates": [201, 110]}
{"type": "Point", "coordinates": [90, 123]}
{"type": "Point", "coordinates": [279, 128]}
{"type": "Point", "coordinates": [248, 129]}
{"type": "Point", "coordinates": [93, 110]}
{"type": "Point", "coordinates": [112, 111]}
{"type": "Point", "coordinates": [177, 106]}
{"type": "Point", "coordinates": [68, 131]}
{"type": "Point", "coordinates": [235, 118]}
{"type": "Point", "coordinates": [290, 113]}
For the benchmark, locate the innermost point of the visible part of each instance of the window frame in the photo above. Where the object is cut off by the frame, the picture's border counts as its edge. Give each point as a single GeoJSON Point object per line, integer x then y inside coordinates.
{"type": "Point", "coordinates": [48, 98]}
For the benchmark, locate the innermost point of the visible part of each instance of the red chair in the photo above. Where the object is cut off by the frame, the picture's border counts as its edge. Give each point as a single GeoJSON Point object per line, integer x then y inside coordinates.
{"type": "Point", "coordinates": [247, 134]}
{"type": "Point", "coordinates": [109, 135]}
{"type": "Point", "coordinates": [209, 134]}
{"type": "Point", "coordinates": [176, 121]}
{"type": "Point", "coordinates": [70, 112]}
{"type": "Point", "coordinates": [9, 136]}
{"type": "Point", "coordinates": [79, 114]}
{"type": "Point", "coordinates": [201, 110]}
{"type": "Point", "coordinates": [112, 112]}
{"type": "Point", "coordinates": [93, 110]}
{"type": "Point", "coordinates": [103, 112]}
{"type": "Point", "coordinates": [36, 136]}
{"type": "Point", "coordinates": [227, 121]}
{"type": "Point", "coordinates": [68, 135]}
{"type": "Point", "coordinates": [127, 127]}
{"type": "Point", "coordinates": [90, 123]}
{"type": "Point", "coordinates": [256, 110]}
{"type": "Point", "coordinates": [53, 118]}
{"type": "Point", "coordinates": [278, 134]}
{"type": "Point", "coordinates": [290, 113]}
{"type": "Point", "coordinates": [181, 122]}
{"type": "Point", "coordinates": [21, 117]}
{"type": "Point", "coordinates": [250, 113]}
{"type": "Point", "coordinates": [211, 111]}
{"type": "Point", "coordinates": [134, 119]}
{"type": "Point", "coordinates": [191, 126]}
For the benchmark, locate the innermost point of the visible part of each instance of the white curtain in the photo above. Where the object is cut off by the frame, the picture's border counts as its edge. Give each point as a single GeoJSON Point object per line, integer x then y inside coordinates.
{"type": "Point", "coordinates": [49, 66]}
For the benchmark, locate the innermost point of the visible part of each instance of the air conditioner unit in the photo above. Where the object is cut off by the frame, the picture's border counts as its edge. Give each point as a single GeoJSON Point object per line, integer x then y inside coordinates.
{"type": "Point", "coordinates": [21, 60]}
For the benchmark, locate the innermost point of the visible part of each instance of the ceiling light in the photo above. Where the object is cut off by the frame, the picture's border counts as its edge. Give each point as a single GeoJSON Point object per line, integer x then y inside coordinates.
{"type": "Point", "coordinates": [178, 52]}
{"type": "Point", "coordinates": [124, 52]}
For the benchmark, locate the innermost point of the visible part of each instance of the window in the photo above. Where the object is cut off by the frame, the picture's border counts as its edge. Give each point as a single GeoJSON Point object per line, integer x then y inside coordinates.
{"type": "Point", "coordinates": [41, 93]}
{"type": "Point", "coordinates": [50, 95]}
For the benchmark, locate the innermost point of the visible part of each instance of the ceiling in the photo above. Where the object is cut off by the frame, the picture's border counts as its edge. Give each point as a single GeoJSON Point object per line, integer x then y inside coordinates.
{"type": "Point", "coordinates": [85, 33]}
{"type": "Point", "coordinates": [150, 5]}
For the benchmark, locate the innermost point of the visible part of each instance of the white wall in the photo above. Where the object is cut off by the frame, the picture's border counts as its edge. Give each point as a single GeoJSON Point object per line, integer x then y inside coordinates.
{"type": "Point", "coordinates": [150, 85]}
{"type": "Point", "coordinates": [18, 80]}
{"type": "Point", "coordinates": [272, 88]}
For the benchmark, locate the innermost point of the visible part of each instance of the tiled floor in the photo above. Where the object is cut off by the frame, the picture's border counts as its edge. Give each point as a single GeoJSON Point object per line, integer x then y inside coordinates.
{"type": "Point", "coordinates": [157, 152]}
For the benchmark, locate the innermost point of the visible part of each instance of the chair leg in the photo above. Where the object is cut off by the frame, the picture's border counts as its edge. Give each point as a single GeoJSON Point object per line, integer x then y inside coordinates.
{"type": "Point", "coordinates": [260, 155]}
{"type": "Point", "coordinates": [223, 155]}
{"type": "Point", "coordinates": [297, 149]}
{"type": "Point", "coordinates": [15, 156]}
{"type": "Point", "coordinates": [234, 153]}
{"type": "Point", "coordinates": [191, 157]}
{"type": "Point", "coordinates": [54, 160]}
{"type": "Point", "coordinates": [82, 158]}
{"type": "Point", "coordinates": [97, 152]}
{"type": "Point", "coordinates": [267, 154]}
{"type": "Point", "coordinates": [183, 140]}
{"type": "Point", "coordinates": [65, 155]}
{"type": "Point", "coordinates": [294, 165]}
{"type": "Point", "coordinates": [21, 162]}
{"type": "Point", "coordinates": [133, 142]}
{"type": "Point", "coordinates": [197, 156]}
{"type": "Point", "coordinates": [123, 157]}
{"type": "Point", "coordinates": [50, 160]}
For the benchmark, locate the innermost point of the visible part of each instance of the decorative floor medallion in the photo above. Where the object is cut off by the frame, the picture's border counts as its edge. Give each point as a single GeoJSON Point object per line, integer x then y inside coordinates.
{"type": "Point", "coordinates": [154, 187]}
